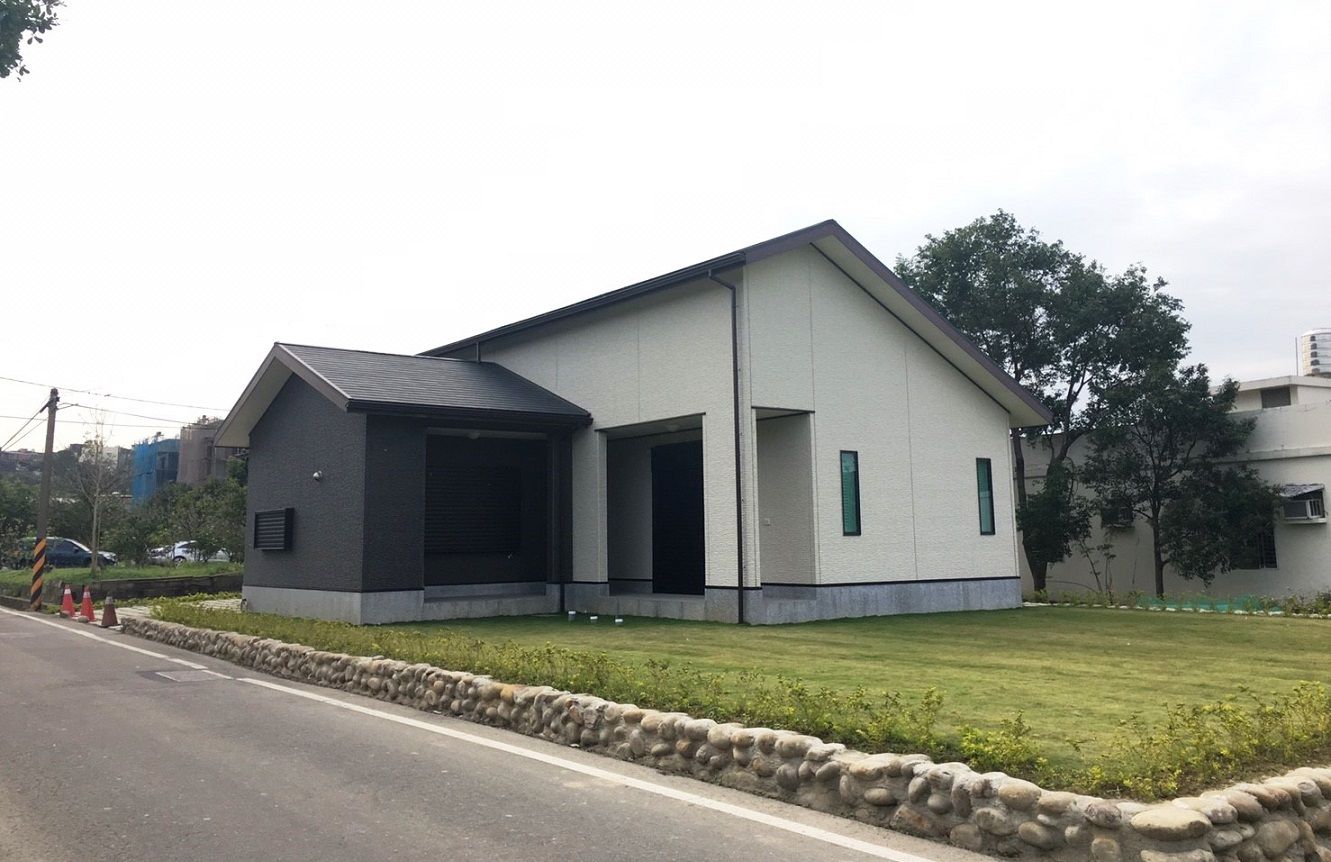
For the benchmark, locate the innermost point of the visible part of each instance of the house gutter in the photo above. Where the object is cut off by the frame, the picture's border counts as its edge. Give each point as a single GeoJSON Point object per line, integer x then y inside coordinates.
{"type": "Point", "coordinates": [739, 479]}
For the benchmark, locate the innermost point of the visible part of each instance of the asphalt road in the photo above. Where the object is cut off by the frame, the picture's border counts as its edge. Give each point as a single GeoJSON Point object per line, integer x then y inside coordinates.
{"type": "Point", "coordinates": [103, 757]}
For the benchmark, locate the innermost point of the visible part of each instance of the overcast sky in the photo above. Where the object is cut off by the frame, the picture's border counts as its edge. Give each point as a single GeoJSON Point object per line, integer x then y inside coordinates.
{"type": "Point", "coordinates": [186, 183]}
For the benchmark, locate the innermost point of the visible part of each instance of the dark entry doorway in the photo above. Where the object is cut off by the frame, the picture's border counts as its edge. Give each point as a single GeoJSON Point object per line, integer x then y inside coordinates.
{"type": "Point", "coordinates": [677, 518]}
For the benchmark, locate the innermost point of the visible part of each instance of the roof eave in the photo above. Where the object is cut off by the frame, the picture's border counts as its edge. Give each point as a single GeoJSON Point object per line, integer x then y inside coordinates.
{"type": "Point", "coordinates": [470, 414]}
{"type": "Point", "coordinates": [262, 389]}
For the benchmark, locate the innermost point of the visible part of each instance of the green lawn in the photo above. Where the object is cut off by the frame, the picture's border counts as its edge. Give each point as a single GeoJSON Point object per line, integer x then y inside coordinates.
{"type": "Point", "coordinates": [16, 582]}
{"type": "Point", "coordinates": [1073, 672]}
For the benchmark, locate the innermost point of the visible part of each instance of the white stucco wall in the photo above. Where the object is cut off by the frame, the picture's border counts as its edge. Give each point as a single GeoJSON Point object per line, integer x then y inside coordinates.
{"type": "Point", "coordinates": [659, 357]}
{"type": "Point", "coordinates": [1289, 445]}
{"type": "Point", "coordinates": [816, 341]}
{"type": "Point", "coordinates": [1303, 390]}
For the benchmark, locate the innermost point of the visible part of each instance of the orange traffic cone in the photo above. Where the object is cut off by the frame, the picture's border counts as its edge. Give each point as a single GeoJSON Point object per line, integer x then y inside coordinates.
{"type": "Point", "coordinates": [109, 612]}
{"type": "Point", "coordinates": [86, 613]}
{"type": "Point", "coordinates": [67, 603]}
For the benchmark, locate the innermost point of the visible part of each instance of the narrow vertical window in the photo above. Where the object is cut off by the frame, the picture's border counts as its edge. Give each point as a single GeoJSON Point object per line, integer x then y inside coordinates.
{"type": "Point", "coordinates": [984, 480]}
{"type": "Point", "coordinates": [850, 493]}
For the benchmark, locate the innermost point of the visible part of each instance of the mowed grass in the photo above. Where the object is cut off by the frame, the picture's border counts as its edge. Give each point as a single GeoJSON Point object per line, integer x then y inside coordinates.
{"type": "Point", "coordinates": [1074, 673]}
{"type": "Point", "coordinates": [17, 582]}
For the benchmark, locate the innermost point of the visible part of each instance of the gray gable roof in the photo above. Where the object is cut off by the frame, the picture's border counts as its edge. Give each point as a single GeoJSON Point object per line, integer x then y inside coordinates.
{"type": "Point", "coordinates": [856, 262]}
{"type": "Point", "coordinates": [367, 382]}
{"type": "Point", "coordinates": [370, 381]}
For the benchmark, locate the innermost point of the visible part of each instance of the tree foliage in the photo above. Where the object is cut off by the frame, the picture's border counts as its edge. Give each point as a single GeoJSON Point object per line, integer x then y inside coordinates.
{"type": "Point", "coordinates": [22, 23]}
{"type": "Point", "coordinates": [1056, 517]}
{"type": "Point", "coordinates": [1062, 326]}
{"type": "Point", "coordinates": [18, 514]}
{"type": "Point", "coordinates": [1165, 449]}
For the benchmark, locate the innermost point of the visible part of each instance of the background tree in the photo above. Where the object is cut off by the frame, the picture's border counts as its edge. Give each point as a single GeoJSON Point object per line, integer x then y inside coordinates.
{"type": "Point", "coordinates": [1061, 326]}
{"type": "Point", "coordinates": [1162, 450]}
{"type": "Point", "coordinates": [97, 478]}
{"type": "Point", "coordinates": [18, 516]}
{"type": "Point", "coordinates": [1056, 517]}
{"type": "Point", "coordinates": [22, 22]}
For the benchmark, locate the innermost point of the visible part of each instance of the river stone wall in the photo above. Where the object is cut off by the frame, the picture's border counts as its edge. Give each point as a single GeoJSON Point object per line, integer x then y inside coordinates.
{"type": "Point", "coordinates": [1287, 819]}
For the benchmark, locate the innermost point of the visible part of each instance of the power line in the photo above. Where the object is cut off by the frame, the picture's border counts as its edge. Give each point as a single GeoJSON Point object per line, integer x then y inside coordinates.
{"type": "Point", "coordinates": [108, 395]}
{"type": "Point", "coordinates": [24, 429]}
{"type": "Point", "coordinates": [92, 422]}
{"type": "Point", "coordinates": [135, 415]}
{"type": "Point", "coordinates": [33, 427]}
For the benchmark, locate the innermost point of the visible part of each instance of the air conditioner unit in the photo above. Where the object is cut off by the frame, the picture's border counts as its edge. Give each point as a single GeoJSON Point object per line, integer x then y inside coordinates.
{"type": "Point", "coordinates": [1304, 510]}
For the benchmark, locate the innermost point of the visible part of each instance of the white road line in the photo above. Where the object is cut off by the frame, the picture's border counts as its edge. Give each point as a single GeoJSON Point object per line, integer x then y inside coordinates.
{"type": "Point", "coordinates": [627, 781]}
{"type": "Point", "coordinates": [80, 632]}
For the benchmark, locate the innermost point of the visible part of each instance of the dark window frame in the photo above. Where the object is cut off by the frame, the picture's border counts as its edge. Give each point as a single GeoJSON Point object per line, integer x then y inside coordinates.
{"type": "Point", "coordinates": [859, 517]}
{"type": "Point", "coordinates": [986, 494]}
{"type": "Point", "coordinates": [1259, 551]}
{"type": "Point", "coordinates": [1276, 396]}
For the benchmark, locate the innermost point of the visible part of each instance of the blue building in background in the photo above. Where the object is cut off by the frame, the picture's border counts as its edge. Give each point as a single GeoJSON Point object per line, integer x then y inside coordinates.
{"type": "Point", "coordinates": [156, 465]}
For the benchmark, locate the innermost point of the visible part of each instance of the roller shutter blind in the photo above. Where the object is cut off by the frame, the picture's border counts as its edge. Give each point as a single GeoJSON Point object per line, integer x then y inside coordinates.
{"type": "Point", "coordinates": [473, 510]}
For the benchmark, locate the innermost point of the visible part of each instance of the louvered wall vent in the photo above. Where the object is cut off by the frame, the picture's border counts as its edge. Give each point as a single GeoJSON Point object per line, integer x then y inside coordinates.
{"type": "Point", "coordinates": [272, 529]}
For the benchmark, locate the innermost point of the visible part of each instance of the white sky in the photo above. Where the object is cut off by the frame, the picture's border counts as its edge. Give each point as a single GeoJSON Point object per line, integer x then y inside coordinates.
{"type": "Point", "coordinates": [185, 183]}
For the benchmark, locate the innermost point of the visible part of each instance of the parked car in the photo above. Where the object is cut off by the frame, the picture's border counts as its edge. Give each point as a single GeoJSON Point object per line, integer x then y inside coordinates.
{"type": "Point", "coordinates": [62, 553]}
{"type": "Point", "coordinates": [186, 552]}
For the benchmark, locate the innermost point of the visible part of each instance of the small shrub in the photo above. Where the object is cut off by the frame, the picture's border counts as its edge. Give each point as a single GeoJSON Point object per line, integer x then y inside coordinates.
{"type": "Point", "coordinates": [1009, 748]}
{"type": "Point", "coordinates": [1202, 745]}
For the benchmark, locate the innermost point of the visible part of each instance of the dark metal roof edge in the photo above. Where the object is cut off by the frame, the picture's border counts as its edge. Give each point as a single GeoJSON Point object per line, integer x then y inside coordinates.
{"type": "Point", "coordinates": [753, 254]}
{"type": "Point", "coordinates": [288, 344]}
{"type": "Point", "coordinates": [748, 254]}
{"type": "Point", "coordinates": [279, 353]}
{"type": "Point", "coordinates": [231, 415]}
{"type": "Point", "coordinates": [306, 372]}
{"type": "Point", "coordinates": [918, 302]}
{"type": "Point", "coordinates": [472, 413]}
{"type": "Point", "coordinates": [660, 282]}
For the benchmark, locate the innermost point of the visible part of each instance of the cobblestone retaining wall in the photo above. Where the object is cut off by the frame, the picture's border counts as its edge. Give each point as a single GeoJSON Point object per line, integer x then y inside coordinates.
{"type": "Point", "coordinates": [1286, 818]}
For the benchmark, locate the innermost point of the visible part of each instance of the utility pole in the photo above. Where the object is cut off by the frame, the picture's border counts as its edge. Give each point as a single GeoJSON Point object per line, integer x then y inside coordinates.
{"type": "Point", "coordinates": [44, 503]}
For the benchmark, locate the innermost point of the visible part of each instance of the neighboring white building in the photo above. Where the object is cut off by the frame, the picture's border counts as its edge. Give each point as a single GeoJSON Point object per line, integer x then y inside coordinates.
{"type": "Point", "coordinates": [1291, 447]}
{"type": "Point", "coordinates": [1314, 352]}
{"type": "Point", "coordinates": [782, 433]}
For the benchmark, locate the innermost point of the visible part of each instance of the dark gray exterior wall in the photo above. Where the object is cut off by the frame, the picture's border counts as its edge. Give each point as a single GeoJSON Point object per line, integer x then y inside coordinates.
{"type": "Point", "coordinates": [301, 433]}
{"type": "Point", "coordinates": [394, 503]}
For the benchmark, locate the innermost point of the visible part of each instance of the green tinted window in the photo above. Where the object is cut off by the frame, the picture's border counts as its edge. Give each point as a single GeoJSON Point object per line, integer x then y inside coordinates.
{"type": "Point", "coordinates": [984, 479]}
{"type": "Point", "coordinates": [850, 493]}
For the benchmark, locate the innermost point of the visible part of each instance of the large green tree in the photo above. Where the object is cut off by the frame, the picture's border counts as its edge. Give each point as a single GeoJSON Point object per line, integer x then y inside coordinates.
{"type": "Point", "coordinates": [22, 22]}
{"type": "Point", "coordinates": [1062, 326]}
{"type": "Point", "coordinates": [1166, 449]}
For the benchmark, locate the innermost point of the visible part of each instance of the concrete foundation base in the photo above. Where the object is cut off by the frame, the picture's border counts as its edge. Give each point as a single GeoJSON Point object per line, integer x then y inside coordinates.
{"type": "Point", "coordinates": [772, 604]}
{"type": "Point", "coordinates": [767, 606]}
{"type": "Point", "coordinates": [359, 608]}
{"type": "Point", "coordinates": [792, 604]}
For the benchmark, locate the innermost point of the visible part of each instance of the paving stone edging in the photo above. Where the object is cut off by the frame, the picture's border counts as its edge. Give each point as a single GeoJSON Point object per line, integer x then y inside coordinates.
{"type": "Point", "coordinates": [1284, 819]}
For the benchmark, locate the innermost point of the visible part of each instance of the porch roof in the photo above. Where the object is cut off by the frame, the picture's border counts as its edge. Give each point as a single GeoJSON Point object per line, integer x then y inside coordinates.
{"type": "Point", "coordinates": [367, 382]}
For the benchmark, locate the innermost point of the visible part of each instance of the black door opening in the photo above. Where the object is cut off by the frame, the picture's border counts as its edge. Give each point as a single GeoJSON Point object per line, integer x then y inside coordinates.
{"type": "Point", "coordinates": [677, 518]}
